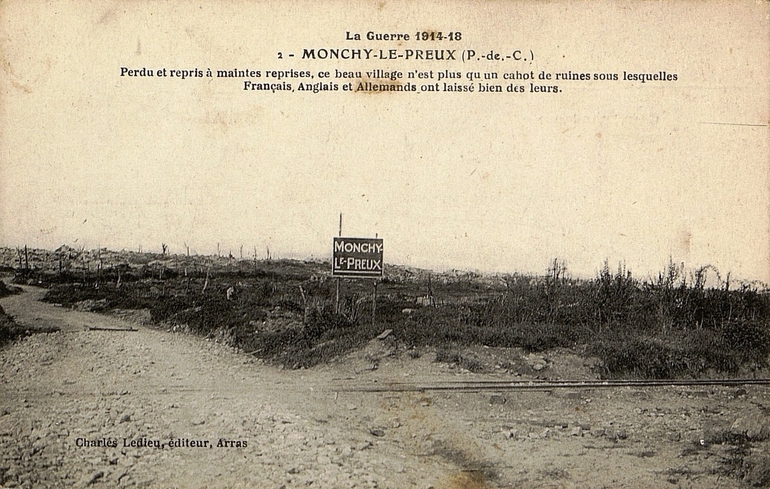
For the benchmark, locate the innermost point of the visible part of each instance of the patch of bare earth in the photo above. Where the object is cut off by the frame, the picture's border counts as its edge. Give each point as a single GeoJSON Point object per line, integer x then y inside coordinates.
{"type": "Point", "coordinates": [186, 412]}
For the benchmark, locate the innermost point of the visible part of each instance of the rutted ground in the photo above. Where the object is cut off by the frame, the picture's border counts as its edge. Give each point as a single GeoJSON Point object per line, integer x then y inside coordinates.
{"type": "Point", "coordinates": [300, 429]}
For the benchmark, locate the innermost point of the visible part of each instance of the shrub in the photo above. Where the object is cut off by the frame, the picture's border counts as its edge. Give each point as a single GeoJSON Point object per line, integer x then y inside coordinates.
{"type": "Point", "coordinates": [640, 357]}
{"type": "Point", "coordinates": [9, 330]}
{"type": "Point", "coordinates": [6, 290]}
{"type": "Point", "coordinates": [750, 340]}
{"type": "Point", "coordinates": [445, 355]}
{"type": "Point", "coordinates": [320, 323]}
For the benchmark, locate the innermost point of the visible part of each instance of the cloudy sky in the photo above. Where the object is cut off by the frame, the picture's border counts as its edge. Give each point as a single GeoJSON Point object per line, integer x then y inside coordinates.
{"type": "Point", "coordinates": [622, 171]}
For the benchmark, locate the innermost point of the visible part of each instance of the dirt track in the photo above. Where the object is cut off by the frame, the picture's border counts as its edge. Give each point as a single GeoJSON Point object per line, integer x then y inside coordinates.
{"type": "Point", "coordinates": [300, 429]}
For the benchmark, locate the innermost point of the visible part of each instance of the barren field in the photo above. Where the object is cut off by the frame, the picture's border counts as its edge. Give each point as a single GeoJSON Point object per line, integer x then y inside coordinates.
{"type": "Point", "coordinates": [174, 410]}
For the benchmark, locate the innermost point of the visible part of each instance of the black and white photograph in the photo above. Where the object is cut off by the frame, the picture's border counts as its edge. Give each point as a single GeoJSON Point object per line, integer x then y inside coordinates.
{"type": "Point", "coordinates": [440, 244]}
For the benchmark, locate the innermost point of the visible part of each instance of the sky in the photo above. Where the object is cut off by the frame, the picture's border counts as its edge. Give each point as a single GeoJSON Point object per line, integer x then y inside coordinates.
{"type": "Point", "coordinates": [618, 171]}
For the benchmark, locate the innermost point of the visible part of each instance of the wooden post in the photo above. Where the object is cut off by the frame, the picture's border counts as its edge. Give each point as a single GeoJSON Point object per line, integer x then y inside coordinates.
{"type": "Point", "coordinates": [304, 305]}
{"type": "Point", "coordinates": [374, 302]}
{"type": "Point", "coordinates": [337, 301]}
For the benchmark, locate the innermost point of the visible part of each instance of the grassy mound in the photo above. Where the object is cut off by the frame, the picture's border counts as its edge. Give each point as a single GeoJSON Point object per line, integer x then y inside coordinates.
{"type": "Point", "coordinates": [6, 290]}
{"type": "Point", "coordinates": [669, 327]}
{"type": "Point", "coordinates": [9, 330]}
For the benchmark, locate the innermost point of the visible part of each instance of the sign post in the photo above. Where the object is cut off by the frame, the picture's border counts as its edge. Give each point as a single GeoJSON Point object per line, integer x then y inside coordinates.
{"type": "Point", "coordinates": [358, 258]}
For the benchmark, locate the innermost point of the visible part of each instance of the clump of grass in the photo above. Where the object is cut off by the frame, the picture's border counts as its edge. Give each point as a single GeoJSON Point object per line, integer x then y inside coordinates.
{"type": "Point", "coordinates": [640, 357]}
{"type": "Point", "coordinates": [444, 355]}
{"type": "Point", "coordinates": [453, 357]}
{"type": "Point", "coordinates": [323, 323]}
{"type": "Point", "coordinates": [738, 459]}
{"type": "Point", "coordinates": [9, 330]}
{"type": "Point", "coordinates": [6, 290]}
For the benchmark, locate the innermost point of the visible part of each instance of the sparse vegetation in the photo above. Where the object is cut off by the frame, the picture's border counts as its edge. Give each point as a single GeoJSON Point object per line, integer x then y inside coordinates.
{"type": "Point", "coordinates": [456, 358]}
{"type": "Point", "coordinates": [6, 290]}
{"type": "Point", "coordinates": [9, 330]}
{"type": "Point", "coordinates": [673, 325]}
{"type": "Point", "coordinates": [736, 456]}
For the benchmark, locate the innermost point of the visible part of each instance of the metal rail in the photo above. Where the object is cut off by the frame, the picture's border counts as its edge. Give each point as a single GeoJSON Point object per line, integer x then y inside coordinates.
{"type": "Point", "coordinates": [98, 328]}
{"type": "Point", "coordinates": [498, 385]}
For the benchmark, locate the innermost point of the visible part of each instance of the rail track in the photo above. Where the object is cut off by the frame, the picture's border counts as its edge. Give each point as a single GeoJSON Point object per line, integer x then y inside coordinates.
{"type": "Point", "coordinates": [535, 385]}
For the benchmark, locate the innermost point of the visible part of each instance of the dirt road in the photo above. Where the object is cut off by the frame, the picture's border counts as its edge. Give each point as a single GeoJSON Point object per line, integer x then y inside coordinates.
{"type": "Point", "coordinates": [150, 408]}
